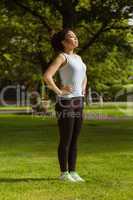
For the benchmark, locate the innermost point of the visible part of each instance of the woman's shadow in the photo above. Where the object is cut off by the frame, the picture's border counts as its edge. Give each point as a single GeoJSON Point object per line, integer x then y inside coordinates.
{"type": "Point", "coordinates": [13, 180]}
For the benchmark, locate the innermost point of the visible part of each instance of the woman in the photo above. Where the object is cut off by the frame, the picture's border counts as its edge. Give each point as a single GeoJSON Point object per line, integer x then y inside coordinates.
{"type": "Point", "coordinates": [70, 99]}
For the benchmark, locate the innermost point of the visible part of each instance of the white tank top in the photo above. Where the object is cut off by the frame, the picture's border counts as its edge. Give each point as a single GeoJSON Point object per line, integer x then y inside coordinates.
{"type": "Point", "coordinates": [72, 73]}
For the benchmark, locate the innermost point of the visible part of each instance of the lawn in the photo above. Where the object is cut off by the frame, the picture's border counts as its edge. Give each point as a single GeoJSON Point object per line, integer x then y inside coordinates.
{"type": "Point", "coordinates": [14, 108]}
{"type": "Point", "coordinates": [95, 110]}
{"type": "Point", "coordinates": [29, 165]}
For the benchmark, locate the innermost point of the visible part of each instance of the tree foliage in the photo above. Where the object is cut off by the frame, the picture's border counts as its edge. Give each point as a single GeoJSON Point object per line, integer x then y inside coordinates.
{"type": "Point", "coordinates": [26, 28]}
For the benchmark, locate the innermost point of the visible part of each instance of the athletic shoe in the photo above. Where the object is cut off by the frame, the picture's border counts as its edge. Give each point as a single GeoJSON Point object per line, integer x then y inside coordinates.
{"type": "Point", "coordinates": [65, 176]}
{"type": "Point", "coordinates": [76, 177]}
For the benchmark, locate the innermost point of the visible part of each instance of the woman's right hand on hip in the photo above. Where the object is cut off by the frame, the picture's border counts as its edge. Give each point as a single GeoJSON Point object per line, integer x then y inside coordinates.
{"type": "Point", "coordinates": [66, 89]}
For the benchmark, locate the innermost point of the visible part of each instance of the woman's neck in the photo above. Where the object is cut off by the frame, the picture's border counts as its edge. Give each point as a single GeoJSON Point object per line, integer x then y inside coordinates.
{"type": "Point", "coordinates": [69, 51]}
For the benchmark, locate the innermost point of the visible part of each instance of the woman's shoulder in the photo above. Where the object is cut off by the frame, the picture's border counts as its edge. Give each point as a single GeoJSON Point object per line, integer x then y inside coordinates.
{"type": "Point", "coordinates": [63, 55]}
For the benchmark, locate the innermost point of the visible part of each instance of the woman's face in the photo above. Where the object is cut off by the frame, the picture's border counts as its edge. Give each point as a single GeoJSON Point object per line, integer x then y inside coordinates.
{"type": "Point", "coordinates": [70, 41]}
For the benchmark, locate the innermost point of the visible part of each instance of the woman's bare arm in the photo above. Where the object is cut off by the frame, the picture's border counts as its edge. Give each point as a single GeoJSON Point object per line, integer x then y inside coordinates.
{"type": "Point", "coordinates": [84, 84]}
{"type": "Point", "coordinates": [50, 72]}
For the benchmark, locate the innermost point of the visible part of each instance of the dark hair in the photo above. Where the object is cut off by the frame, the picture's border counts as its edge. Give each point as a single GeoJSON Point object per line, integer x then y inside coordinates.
{"type": "Point", "coordinates": [58, 37]}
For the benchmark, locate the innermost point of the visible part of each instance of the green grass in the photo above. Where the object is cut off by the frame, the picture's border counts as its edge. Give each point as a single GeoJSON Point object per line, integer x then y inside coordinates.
{"type": "Point", "coordinates": [14, 108]}
{"type": "Point", "coordinates": [29, 166]}
{"type": "Point", "coordinates": [111, 109]}
{"type": "Point", "coordinates": [108, 109]}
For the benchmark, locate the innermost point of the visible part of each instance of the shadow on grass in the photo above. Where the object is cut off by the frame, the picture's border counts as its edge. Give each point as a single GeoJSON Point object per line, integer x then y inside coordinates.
{"type": "Point", "coordinates": [13, 180]}
{"type": "Point", "coordinates": [16, 180]}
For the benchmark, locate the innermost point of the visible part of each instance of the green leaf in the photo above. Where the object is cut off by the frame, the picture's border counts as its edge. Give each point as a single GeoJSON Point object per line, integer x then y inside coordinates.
{"type": "Point", "coordinates": [7, 56]}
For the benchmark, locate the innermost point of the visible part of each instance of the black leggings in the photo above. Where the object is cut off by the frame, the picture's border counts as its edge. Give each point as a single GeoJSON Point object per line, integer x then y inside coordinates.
{"type": "Point", "coordinates": [69, 113]}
